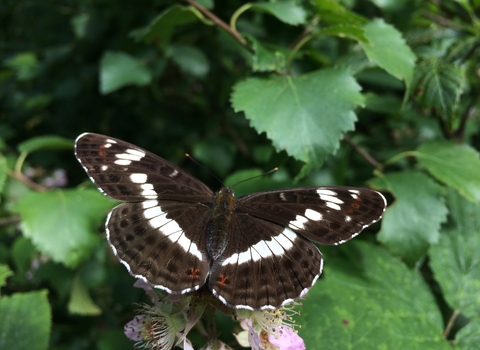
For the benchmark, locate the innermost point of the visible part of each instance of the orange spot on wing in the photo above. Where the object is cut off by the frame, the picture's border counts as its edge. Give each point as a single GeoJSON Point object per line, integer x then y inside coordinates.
{"type": "Point", "coordinates": [222, 279]}
{"type": "Point", "coordinates": [355, 205]}
{"type": "Point", "coordinates": [102, 153]}
{"type": "Point", "coordinates": [193, 272]}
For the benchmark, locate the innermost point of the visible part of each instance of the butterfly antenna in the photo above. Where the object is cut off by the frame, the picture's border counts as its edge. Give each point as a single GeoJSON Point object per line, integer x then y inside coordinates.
{"type": "Point", "coordinates": [204, 168]}
{"type": "Point", "coordinates": [254, 177]}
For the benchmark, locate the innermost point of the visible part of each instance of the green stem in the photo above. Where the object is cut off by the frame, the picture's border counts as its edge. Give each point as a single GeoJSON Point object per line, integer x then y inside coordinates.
{"type": "Point", "coordinates": [400, 156]}
{"type": "Point", "coordinates": [236, 14]}
{"type": "Point", "coordinates": [296, 48]}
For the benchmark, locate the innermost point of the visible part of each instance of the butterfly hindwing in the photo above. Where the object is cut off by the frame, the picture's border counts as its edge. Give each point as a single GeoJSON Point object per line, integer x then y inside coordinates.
{"type": "Point", "coordinates": [327, 215]}
{"type": "Point", "coordinates": [266, 269]}
{"type": "Point", "coordinates": [161, 242]}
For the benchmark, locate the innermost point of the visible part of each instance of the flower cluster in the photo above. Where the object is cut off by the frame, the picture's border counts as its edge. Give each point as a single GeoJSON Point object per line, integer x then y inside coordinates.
{"type": "Point", "coordinates": [167, 322]}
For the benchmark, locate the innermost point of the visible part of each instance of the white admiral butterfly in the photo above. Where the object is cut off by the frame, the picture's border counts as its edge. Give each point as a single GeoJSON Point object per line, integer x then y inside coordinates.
{"type": "Point", "coordinates": [253, 252]}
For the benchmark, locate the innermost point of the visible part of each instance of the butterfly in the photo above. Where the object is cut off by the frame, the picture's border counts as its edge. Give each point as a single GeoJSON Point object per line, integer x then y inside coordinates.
{"type": "Point", "coordinates": [254, 252]}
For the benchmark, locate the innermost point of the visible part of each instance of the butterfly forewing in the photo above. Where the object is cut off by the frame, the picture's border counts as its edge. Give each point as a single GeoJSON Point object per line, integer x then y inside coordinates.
{"type": "Point", "coordinates": [129, 173]}
{"type": "Point", "coordinates": [327, 215]}
{"type": "Point", "coordinates": [254, 253]}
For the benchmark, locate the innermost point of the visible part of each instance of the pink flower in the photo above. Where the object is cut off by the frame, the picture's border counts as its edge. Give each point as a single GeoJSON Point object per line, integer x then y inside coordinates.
{"type": "Point", "coordinates": [286, 339]}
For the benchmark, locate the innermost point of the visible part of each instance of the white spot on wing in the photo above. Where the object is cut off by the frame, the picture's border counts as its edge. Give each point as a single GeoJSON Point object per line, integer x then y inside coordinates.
{"type": "Point", "coordinates": [130, 154]}
{"type": "Point", "coordinates": [331, 199]}
{"type": "Point", "coordinates": [313, 215]}
{"type": "Point", "coordinates": [148, 191]}
{"type": "Point", "coordinates": [282, 197]}
{"type": "Point", "coordinates": [333, 205]}
{"type": "Point", "coordinates": [111, 141]}
{"type": "Point", "coordinates": [264, 249]}
{"type": "Point", "coordinates": [298, 223]}
{"type": "Point", "coordinates": [149, 204]}
{"type": "Point", "coordinates": [173, 173]}
{"type": "Point", "coordinates": [327, 192]}
{"type": "Point", "coordinates": [123, 162]}
{"type": "Point", "coordinates": [348, 218]}
{"type": "Point", "coordinates": [104, 168]}
{"type": "Point", "coordinates": [138, 178]}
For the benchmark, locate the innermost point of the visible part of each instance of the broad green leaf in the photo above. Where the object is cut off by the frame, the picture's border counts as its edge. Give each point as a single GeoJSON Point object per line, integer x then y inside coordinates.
{"type": "Point", "coordinates": [45, 142]}
{"type": "Point", "coordinates": [388, 50]}
{"type": "Point", "coordinates": [413, 221]}
{"type": "Point", "coordinates": [346, 31]}
{"type": "Point", "coordinates": [80, 301]}
{"type": "Point", "coordinates": [368, 299]}
{"type": "Point", "coordinates": [119, 69]}
{"type": "Point", "coordinates": [306, 115]}
{"type": "Point", "coordinates": [455, 259]}
{"type": "Point", "coordinates": [455, 165]}
{"type": "Point", "coordinates": [438, 85]}
{"type": "Point", "coordinates": [333, 12]}
{"type": "Point", "coordinates": [161, 29]}
{"type": "Point", "coordinates": [62, 224]}
{"type": "Point", "coordinates": [5, 272]}
{"type": "Point", "coordinates": [25, 320]}
{"type": "Point", "coordinates": [266, 59]}
{"type": "Point", "coordinates": [189, 59]}
{"type": "Point", "coordinates": [25, 64]}
{"type": "Point", "coordinates": [286, 11]}
{"type": "Point", "coordinates": [22, 254]}
{"type": "Point", "coordinates": [79, 24]}
{"type": "Point", "coordinates": [468, 337]}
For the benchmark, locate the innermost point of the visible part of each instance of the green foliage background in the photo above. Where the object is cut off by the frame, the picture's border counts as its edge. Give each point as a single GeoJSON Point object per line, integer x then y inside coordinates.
{"type": "Point", "coordinates": [352, 92]}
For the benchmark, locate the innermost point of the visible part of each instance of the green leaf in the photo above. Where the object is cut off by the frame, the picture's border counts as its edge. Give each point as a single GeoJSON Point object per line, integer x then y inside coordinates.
{"type": "Point", "coordinates": [306, 115]}
{"type": "Point", "coordinates": [286, 11]}
{"type": "Point", "coordinates": [3, 172]}
{"type": "Point", "coordinates": [119, 69]}
{"type": "Point", "coordinates": [189, 59]}
{"type": "Point", "coordinates": [468, 337]}
{"type": "Point", "coordinates": [25, 65]}
{"type": "Point", "coordinates": [80, 301]}
{"type": "Point", "coordinates": [346, 31]}
{"type": "Point", "coordinates": [332, 12]}
{"type": "Point", "coordinates": [388, 49]}
{"type": "Point", "coordinates": [413, 221]}
{"type": "Point", "coordinates": [455, 165]}
{"type": "Point", "coordinates": [266, 59]}
{"type": "Point", "coordinates": [161, 29]}
{"type": "Point", "coordinates": [25, 320]}
{"type": "Point", "coordinates": [22, 254]}
{"type": "Point", "coordinates": [455, 260]}
{"type": "Point", "coordinates": [438, 85]}
{"type": "Point", "coordinates": [64, 224]}
{"type": "Point", "coordinates": [368, 299]}
{"type": "Point", "coordinates": [45, 142]}
{"type": "Point", "coordinates": [5, 272]}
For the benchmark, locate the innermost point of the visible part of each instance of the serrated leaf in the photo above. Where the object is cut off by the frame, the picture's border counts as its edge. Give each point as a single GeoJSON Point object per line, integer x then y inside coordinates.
{"type": "Point", "coordinates": [45, 142]}
{"type": "Point", "coordinates": [332, 12]}
{"type": "Point", "coordinates": [413, 221]}
{"type": "Point", "coordinates": [80, 301]}
{"type": "Point", "coordinates": [455, 260]}
{"type": "Point", "coordinates": [119, 69]}
{"type": "Point", "coordinates": [5, 272]}
{"type": "Point", "coordinates": [25, 320]}
{"type": "Point", "coordinates": [387, 48]}
{"type": "Point", "coordinates": [286, 11]}
{"type": "Point", "coordinates": [455, 165]}
{"type": "Point", "coordinates": [368, 299]}
{"type": "Point", "coordinates": [64, 225]}
{"type": "Point", "coordinates": [438, 85]}
{"type": "Point", "coordinates": [306, 115]}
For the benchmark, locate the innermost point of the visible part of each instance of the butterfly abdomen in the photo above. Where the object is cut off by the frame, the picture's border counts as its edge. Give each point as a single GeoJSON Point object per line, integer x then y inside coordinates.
{"type": "Point", "coordinates": [219, 228]}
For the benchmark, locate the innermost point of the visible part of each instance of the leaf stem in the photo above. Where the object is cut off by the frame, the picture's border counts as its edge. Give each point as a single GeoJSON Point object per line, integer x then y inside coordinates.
{"type": "Point", "coordinates": [369, 158]}
{"type": "Point", "coordinates": [400, 156]}
{"type": "Point", "coordinates": [218, 22]}
{"type": "Point", "coordinates": [450, 323]}
{"type": "Point", "coordinates": [22, 178]}
{"type": "Point", "coordinates": [296, 48]}
{"type": "Point", "coordinates": [236, 14]}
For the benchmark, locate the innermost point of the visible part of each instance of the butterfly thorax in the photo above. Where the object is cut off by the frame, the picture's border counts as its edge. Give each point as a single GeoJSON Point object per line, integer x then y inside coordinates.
{"type": "Point", "coordinates": [219, 228]}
